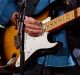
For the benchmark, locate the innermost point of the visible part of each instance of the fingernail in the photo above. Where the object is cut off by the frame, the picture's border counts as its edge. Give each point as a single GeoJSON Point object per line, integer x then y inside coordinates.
{"type": "Point", "coordinates": [26, 17]}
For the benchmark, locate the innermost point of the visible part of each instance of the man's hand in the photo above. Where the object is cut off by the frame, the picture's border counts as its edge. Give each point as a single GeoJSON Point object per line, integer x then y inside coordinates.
{"type": "Point", "coordinates": [33, 27]}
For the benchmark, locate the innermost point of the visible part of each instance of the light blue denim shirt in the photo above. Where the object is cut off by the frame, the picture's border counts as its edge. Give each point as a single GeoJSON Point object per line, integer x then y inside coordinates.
{"type": "Point", "coordinates": [7, 8]}
{"type": "Point", "coordinates": [63, 57]}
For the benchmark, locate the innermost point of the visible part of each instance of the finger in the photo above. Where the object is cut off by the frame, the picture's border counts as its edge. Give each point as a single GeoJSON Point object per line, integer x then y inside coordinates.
{"type": "Point", "coordinates": [32, 21]}
{"type": "Point", "coordinates": [31, 26]}
{"type": "Point", "coordinates": [31, 31]}
{"type": "Point", "coordinates": [34, 35]}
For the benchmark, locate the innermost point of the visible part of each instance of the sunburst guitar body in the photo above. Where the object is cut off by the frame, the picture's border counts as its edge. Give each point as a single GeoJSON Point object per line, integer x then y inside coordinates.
{"type": "Point", "coordinates": [10, 47]}
{"type": "Point", "coordinates": [34, 44]}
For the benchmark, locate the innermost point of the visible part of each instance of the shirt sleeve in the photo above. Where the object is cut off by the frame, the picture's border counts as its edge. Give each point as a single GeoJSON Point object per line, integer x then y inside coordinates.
{"type": "Point", "coordinates": [8, 9]}
{"type": "Point", "coordinates": [42, 5]}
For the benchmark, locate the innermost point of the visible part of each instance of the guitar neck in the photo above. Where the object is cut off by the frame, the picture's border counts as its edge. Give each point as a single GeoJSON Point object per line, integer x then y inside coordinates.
{"type": "Point", "coordinates": [61, 20]}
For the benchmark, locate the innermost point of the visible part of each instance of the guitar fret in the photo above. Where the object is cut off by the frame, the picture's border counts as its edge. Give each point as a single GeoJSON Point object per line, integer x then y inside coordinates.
{"type": "Point", "coordinates": [72, 14]}
{"type": "Point", "coordinates": [54, 23]}
{"type": "Point", "coordinates": [64, 19]}
{"type": "Point", "coordinates": [57, 22]}
{"type": "Point", "coordinates": [78, 11]}
{"type": "Point", "coordinates": [60, 20]}
{"type": "Point", "coordinates": [67, 17]}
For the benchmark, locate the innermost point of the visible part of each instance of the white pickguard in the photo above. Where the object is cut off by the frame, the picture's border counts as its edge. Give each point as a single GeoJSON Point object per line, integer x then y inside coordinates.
{"type": "Point", "coordinates": [32, 44]}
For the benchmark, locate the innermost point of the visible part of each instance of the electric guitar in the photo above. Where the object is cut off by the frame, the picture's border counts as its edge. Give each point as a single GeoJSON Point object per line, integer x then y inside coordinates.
{"type": "Point", "coordinates": [34, 44]}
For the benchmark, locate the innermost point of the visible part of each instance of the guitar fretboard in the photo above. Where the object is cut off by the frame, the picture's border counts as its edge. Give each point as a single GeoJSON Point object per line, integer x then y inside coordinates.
{"type": "Point", "coordinates": [59, 21]}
